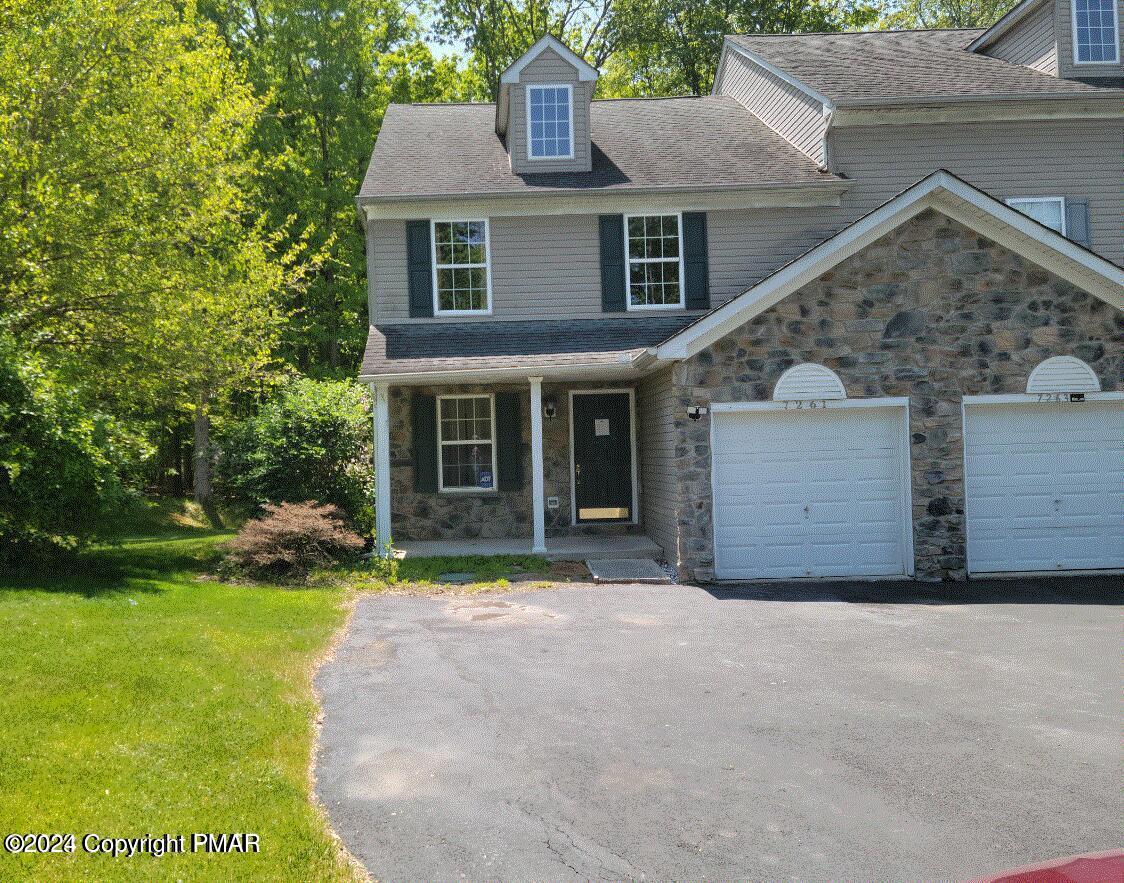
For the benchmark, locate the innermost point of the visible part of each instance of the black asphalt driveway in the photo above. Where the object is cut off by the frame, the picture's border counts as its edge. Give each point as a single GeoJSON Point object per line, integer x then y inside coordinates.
{"type": "Point", "coordinates": [658, 732]}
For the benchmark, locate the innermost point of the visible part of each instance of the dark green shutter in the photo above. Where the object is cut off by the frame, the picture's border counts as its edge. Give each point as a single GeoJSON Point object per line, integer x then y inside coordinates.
{"type": "Point", "coordinates": [423, 410]}
{"type": "Point", "coordinates": [509, 440]}
{"type": "Point", "coordinates": [1077, 221]}
{"type": "Point", "coordinates": [419, 261]}
{"type": "Point", "coordinates": [696, 269]}
{"type": "Point", "coordinates": [612, 263]}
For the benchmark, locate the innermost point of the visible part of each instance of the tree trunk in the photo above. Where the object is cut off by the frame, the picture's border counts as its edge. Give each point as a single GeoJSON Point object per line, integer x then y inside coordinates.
{"type": "Point", "coordinates": [204, 495]}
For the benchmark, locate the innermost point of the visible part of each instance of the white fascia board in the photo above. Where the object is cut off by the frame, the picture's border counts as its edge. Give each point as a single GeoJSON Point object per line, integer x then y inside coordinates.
{"type": "Point", "coordinates": [1100, 277]}
{"type": "Point", "coordinates": [583, 202]}
{"type": "Point", "coordinates": [779, 73]}
{"type": "Point", "coordinates": [586, 71]}
{"type": "Point", "coordinates": [1008, 21]}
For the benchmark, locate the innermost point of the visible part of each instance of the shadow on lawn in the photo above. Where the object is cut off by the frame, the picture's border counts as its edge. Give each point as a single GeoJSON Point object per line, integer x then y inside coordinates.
{"type": "Point", "coordinates": [131, 566]}
{"type": "Point", "coordinates": [1107, 590]}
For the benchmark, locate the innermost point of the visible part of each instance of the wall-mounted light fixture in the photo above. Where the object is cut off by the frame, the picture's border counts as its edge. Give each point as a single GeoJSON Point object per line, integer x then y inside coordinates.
{"type": "Point", "coordinates": [696, 411]}
{"type": "Point", "coordinates": [549, 407]}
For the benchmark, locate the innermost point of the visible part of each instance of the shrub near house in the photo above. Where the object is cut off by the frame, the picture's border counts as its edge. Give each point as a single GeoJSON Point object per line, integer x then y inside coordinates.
{"type": "Point", "coordinates": [311, 441]}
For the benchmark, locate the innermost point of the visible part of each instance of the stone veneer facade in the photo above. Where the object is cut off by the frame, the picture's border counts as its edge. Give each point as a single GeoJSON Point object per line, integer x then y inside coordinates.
{"type": "Point", "coordinates": [430, 516]}
{"type": "Point", "coordinates": [932, 311]}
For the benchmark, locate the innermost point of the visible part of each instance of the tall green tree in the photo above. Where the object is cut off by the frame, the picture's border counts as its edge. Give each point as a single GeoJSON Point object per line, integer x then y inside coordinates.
{"type": "Point", "coordinates": [672, 47]}
{"type": "Point", "coordinates": [945, 13]}
{"type": "Point", "coordinates": [134, 265]}
{"type": "Point", "coordinates": [327, 70]}
{"type": "Point", "coordinates": [497, 32]}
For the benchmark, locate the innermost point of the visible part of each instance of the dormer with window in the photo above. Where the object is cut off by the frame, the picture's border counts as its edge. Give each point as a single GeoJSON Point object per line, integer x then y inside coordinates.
{"type": "Point", "coordinates": [543, 110]}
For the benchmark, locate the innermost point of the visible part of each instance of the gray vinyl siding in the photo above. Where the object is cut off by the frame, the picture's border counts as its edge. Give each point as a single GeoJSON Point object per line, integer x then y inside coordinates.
{"type": "Point", "coordinates": [549, 266]}
{"type": "Point", "coordinates": [549, 68]}
{"type": "Point", "coordinates": [1031, 43]}
{"type": "Point", "coordinates": [1064, 29]}
{"type": "Point", "coordinates": [1072, 158]}
{"type": "Point", "coordinates": [792, 114]}
{"type": "Point", "coordinates": [656, 405]}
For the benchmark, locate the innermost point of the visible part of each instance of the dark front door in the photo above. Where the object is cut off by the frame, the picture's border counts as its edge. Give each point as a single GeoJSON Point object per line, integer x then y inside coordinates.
{"type": "Point", "coordinates": [603, 456]}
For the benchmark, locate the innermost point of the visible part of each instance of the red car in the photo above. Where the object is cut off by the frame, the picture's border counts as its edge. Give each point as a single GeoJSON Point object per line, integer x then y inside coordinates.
{"type": "Point", "coordinates": [1092, 867]}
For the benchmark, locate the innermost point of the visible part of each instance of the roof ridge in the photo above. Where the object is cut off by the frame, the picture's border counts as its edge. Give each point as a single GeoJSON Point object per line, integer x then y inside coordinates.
{"type": "Point", "coordinates": [654, 98]}
{"type": "Point", "coordinates": [861, 33]}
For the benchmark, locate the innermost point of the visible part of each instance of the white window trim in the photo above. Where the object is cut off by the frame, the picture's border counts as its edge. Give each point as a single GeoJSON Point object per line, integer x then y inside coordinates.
{"type": "Point", "coordinates": [441, 443]}
{"type": "Point", "coordinates": [1115, 31]}
{"type": "Point", "coordinates": [629, 261]}
{"type": "Point", "coordinates": [1017, 201]}
{"type": "Point", "coordinates": [437, 311]}
{"type": "Point", "coordinates": [570, 101]}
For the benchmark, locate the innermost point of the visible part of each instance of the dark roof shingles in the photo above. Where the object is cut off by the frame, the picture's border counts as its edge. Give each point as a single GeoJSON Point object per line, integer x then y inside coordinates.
{"type": "Point", "coordinates": [453, 149]}
{"type": "Point", "coordinates": [458, 346]}
{"type": "Point", "coordinates": [890, 65]}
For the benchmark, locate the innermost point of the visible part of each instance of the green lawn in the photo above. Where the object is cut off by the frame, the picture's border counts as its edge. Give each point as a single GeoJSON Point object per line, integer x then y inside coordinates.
{"type": "Point", "coordinates": [137, 698]}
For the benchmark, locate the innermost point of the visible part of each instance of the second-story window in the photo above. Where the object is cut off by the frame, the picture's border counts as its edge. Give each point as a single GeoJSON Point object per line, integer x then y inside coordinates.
{"type": "Point", "coordinates": [550, 122]}
{"type": "Point", "coordinates": [461, 281]}
{"type": "Point", "coordinates": [1046, 210]}
{"type": "Point", "coordinates": [655, 265]}
{"type": "Point", "coordinates": [1096, 34]}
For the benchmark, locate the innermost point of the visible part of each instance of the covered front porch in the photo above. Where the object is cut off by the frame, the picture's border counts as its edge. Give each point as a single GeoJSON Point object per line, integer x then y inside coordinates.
{"type": "Point", "coordinates": [552, 438]}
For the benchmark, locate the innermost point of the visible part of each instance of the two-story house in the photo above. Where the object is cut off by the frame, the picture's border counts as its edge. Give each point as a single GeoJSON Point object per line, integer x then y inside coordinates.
{"type": "Point", "coordinates": [857, 313]}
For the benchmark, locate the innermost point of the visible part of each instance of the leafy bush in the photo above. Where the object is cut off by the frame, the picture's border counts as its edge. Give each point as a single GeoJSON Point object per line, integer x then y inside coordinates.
{"type": "Point", "coordinates": [59, 464]}
{"type": "Point", "coordinates": [290, 540]}
{"type": "Point", "coordinates": [311, 441]}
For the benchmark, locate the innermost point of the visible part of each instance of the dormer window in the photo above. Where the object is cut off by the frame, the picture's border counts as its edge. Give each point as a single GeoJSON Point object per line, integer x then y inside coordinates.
{"type": "Point", "coordinates": [1096, 32]}
{"type": "Point", "coordinates": [550, 122]}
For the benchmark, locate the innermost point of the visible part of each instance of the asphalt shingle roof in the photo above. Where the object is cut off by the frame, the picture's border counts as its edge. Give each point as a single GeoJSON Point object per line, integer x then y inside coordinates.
{"type": "Point", "coordinates": [453, 149]}
{"type": "Point", "coordinates": [461, 346]}
{"type": "Point", "coordinates": [888, 65]}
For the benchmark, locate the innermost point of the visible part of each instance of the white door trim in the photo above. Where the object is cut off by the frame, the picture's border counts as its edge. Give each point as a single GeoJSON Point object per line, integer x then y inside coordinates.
{"type": "Point", "coordinates": [631, 393]}
{"type": "Point", "coordinates": [904, 461]}
{"type": "Point", "coordinates": [1033, 398]}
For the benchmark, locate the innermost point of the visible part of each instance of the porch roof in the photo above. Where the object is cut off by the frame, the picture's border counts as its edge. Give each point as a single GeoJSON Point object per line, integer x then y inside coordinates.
{"type": "Point", "coordinates": [427, 351]}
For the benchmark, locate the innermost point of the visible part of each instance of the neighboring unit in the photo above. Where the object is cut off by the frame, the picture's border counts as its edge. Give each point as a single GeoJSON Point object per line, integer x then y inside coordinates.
{"type": "Point", "coordinates": [856, 314]}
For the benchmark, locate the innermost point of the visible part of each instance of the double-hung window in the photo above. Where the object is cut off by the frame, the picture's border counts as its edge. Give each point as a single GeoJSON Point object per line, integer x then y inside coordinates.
{"type": "Point", "coordinates": [466, 450]}
{"type": "Point", "coordinates": [1096, 32]}
{"type": "Point", "coordinates": [461, 282]}
{"type": "Point", "coordinates": [655, 261]}
{"type": "Point", "coordinates": [550, 122]}
{"type": "Point", "coordinates": [1046, 210]}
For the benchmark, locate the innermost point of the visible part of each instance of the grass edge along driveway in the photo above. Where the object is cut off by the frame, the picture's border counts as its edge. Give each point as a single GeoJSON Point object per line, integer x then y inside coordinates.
{"type": "Point", "coordinates": [138, 698]}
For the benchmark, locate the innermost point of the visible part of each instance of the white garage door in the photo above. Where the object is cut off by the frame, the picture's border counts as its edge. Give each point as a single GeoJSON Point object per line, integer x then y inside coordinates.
{"type": "Point", "coordinates": [818, 493]}
{"type": "Point", "coordinates": [1045, 486]}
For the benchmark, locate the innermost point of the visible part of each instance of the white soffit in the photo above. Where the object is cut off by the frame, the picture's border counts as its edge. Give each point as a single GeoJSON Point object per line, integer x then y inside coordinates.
{"type": "Point", "coordinates": [586, 71]}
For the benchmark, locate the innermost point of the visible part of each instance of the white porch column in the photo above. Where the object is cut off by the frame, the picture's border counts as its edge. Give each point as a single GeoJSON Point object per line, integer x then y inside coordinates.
{"type": "Point", "coordinates": [382, 468]}
{"type": "Point", "coordinates": [538, 547]}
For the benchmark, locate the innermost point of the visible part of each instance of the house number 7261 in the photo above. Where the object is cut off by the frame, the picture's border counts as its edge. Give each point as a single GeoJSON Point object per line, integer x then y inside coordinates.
{"type": "Point", "coordinates": [810, 403]}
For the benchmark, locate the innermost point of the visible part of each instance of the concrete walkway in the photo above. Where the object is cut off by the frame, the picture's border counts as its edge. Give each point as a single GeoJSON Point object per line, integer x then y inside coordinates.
{"type": "Point", "coordinates": [849, 732]}
{"type": "Point", "coordinates": [577, 548]}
